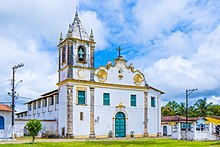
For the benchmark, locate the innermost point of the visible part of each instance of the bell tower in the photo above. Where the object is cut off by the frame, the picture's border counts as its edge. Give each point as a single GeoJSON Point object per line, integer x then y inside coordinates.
{"type": "Point", "coordinates": [76, 51]}
{"type": "Point", "coordinates": [76, 62]}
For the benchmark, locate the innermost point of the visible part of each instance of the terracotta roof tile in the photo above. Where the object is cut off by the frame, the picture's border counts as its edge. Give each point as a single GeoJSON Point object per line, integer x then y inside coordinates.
{"type": "Point", "coordinates": [177, 118]}
{"type": "Point", "coordinates": [216, 117]}
{"type": "Point", "coordinates": [4, 107]}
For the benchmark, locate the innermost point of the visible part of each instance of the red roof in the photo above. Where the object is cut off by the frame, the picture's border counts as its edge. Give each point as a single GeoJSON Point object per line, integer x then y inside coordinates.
{"type": "Point", "coordinates": [4, 107]}
{"type": "Point", "coordinates": [177, 118]}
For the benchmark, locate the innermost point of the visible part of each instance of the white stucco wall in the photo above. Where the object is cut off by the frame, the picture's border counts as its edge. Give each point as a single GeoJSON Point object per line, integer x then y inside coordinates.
{"type": "Point", "coordinates": [46, 126]}
{"type": "Point", "coordinates": [6, 133]}
{"type": "Point", "coordinates": [154, 114]}
{"type": "Point", "coordinates": [81, 127]}
{"type": "Point", "coordinates": [62, 113]}
{"type": "Point", "coordinates": [81, 74]}
{"type": "Point", "coordinates": [135, 115]}
{"type": "Point", "coordinates": [169, 129]}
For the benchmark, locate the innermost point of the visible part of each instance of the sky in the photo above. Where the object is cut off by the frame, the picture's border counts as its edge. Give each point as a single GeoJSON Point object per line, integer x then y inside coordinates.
{"type": "Point", "coordinates": [176, 44]}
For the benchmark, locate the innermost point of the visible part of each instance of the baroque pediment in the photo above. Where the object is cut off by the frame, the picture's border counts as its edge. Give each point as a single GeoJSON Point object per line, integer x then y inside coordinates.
{"type": "Point", "coordinates": [119, 73]}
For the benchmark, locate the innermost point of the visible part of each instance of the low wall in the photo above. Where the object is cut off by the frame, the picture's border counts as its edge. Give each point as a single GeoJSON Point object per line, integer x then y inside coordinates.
{"type": "Point", "coordinates": [47, 125]}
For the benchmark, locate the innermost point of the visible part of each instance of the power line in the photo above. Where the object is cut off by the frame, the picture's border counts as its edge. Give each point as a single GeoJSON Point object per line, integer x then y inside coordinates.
{"type": "Point", "coordinates": [5, 81]}
{"type": "Point", "coordinates": [25, 97]}
{"type": "Point", "coordinates": [4, 102]}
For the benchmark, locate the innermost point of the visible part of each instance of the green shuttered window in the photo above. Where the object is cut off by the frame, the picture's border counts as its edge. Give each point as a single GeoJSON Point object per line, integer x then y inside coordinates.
{"type": "Point", "coordinates": [106, 99]}
{"type": "Point", "coordinates": [133, 100]}
{"type": "Point", "coordinates": [152, 101]}
{"type": "Point", "coordinates": [81, 97]}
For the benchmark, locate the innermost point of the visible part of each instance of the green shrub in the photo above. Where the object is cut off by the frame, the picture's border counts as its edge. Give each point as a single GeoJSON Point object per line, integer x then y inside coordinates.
{"type": "Point", "coordinates": [33, 126]}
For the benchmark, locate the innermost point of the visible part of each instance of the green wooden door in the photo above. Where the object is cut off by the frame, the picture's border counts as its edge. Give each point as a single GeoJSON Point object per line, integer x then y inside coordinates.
{"type": "Point", "coordinates": [120, 126]}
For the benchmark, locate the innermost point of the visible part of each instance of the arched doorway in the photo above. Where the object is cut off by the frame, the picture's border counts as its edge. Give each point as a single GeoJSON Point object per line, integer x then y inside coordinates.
{"type": "Point", "coordinates": [164, 130]}
{"type": "Point", "coordinates": [120, 125]}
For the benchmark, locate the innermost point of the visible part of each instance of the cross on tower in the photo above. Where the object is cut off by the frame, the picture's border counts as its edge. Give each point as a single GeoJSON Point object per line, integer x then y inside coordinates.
{"type": "Point", "coordinates": [119, 51]}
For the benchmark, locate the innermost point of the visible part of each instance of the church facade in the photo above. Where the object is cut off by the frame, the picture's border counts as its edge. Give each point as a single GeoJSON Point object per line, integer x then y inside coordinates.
{"type": "Point", "coordinates": [112, 100]}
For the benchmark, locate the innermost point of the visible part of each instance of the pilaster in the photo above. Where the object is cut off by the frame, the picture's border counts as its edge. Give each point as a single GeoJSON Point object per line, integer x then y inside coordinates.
{"type": "Point", "coordinates": [70, 61]}
{"type": "Point", "coordinates": [59, 67]}
{"type": "Point", "coordinates": [69, 111]}
{"type": "Point", "coordinates": [92, 130]}
{"type": "Point", "coordinates": [92, 47]}
{"type": "Point", "coordinates": [145, 114]}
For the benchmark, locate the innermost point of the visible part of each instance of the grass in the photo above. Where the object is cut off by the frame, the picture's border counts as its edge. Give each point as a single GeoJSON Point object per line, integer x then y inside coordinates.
{"type": "Point", "coordinates": [151, 142]}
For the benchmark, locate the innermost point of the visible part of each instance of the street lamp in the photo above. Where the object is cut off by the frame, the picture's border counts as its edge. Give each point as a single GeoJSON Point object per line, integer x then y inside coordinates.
{"type": "Point", "coordinates": [14, 69]}
{"type": "Point", "coordinates": [188, 92]}
{"type": "Point", "coordinates": [18, 83]}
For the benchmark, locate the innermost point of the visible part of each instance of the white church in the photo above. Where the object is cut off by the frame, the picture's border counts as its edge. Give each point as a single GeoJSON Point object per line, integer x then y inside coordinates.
{"type": "Point", "coordinates": [113, 100]}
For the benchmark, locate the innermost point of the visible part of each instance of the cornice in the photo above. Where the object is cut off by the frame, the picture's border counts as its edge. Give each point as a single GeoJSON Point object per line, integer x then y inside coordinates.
{"type": "Point", "coordinates": [69, 66]}
{"type": "Point", "coordinates": [99, 84]}
{"type": "Point", "coordinates": [75, 39]}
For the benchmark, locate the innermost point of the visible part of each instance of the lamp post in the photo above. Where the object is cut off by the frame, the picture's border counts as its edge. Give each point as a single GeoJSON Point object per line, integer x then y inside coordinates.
{"type": "Point", "coordinates": [188, 92]}
{"type": "Point", "coordinates": [14, 69]}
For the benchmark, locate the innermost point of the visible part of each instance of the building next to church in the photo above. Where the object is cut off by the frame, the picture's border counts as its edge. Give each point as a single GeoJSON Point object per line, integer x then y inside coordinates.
{"type": "Point", "coordinates": [5, 121]}
{"type": "Point", "coordinates": [95, 102]}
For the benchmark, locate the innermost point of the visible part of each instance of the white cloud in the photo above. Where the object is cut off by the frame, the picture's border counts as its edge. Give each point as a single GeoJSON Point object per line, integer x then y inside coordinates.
{"type": "Point", "coordinates": [155, 17]}
{"type": "Point", "coordinates": [178, 59]}
{"type": "Point", "coordinates": [91, 21]}
{"type": "Point", "coordinates": [38, 74]}
{"type": "Point", "coordinates": [37, 63]}
{"type": "Point", "coordinates": [185, 44]}
{"type": "Point", "coordinates": [201, 71]}
{"type": "Point", "coordinates": [213, 99]}
{"type": "Point", "coordinates": [29, 31]}
{"type": "Point", "coordinates": [36, 19]}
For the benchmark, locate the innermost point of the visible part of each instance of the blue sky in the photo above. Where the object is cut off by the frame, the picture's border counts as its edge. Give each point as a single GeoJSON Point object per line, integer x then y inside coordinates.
{"type": "Point", "coordinates": [175, 43]}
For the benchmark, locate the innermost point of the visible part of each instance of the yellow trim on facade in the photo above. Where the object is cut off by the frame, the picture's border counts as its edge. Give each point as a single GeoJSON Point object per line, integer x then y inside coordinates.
{"type": "Point", "coordinates": [81, 73]}
{"type": "Point", "coordinates": [153, 135]}
{"type": "Point", "coordinates": [138, 135]}
{"type": "Point", "coordinates": [98, 84]}
{"type": "Point", "coordinates": [74, 67]}
{"type": "Point", "coordinates": [109, 85]}
{"type": "Point", "coordinates": [101, 136]}
{"type": "Point", "coordinates": [102, 75]}
{"type": "Point", "coordinates": [81, 136]}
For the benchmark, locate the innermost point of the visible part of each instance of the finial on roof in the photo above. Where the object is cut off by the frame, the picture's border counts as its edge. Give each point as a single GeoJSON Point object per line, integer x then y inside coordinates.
{"type": "Point", "coordinates": [131, 66]}
{"type": "Point", "coordinates": [70, 29]}
{"type": "Point", "coordinates": [61, 36]}
{"type": "Point", "coordinates": [76, 11]}
{"type": "Point", "coordinates": [91, 35]}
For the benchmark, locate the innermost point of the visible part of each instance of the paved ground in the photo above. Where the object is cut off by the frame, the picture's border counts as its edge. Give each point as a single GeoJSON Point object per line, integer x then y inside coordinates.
{"type": "Point", "coordinates": [28, 140]}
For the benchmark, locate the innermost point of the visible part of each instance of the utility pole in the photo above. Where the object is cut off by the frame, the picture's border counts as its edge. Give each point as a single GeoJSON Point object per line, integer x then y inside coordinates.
{"type": "Point", "coordinates": [188, 92]}
{"type": "Point", "coordinates": [14, 69]}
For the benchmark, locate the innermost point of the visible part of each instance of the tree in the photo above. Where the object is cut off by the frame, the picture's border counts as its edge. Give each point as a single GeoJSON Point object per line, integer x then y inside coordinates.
{"type": "Point", "coordinates": [192, 111]}
{"type": "Point", "coordinates": [173, 105]}
{"type": "Point", "coordinates": [202, 107]}
{"type": "Point", "coordinates": [181, 110]}
{"type": "Point", "coordinates": [33, 127]}
{"type": "Point", "coordinates": [167, 111]}
{"type": "Point", "coordinates": [215, 110]}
